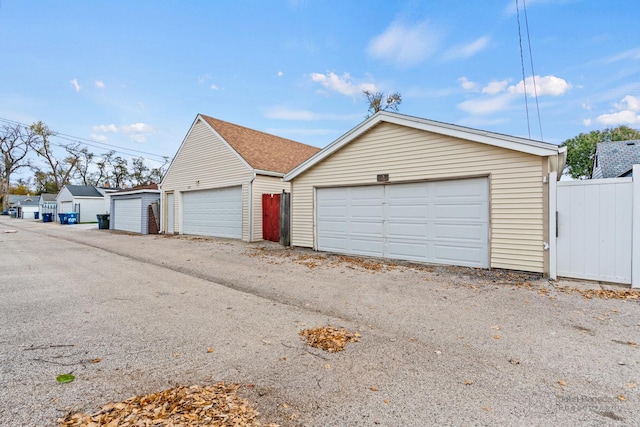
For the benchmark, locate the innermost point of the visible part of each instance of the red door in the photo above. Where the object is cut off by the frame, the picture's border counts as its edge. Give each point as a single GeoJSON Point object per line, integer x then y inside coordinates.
{"type": "Point", "coordinates": [271, 217]}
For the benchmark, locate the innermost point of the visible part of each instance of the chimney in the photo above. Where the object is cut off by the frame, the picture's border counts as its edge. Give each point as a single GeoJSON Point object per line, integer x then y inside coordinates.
{"type": "Point", "coordinates": [106, 184]}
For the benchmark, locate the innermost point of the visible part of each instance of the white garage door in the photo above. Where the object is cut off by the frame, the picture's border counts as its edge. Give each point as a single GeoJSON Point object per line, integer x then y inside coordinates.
{"type": "Point", "coordinates": [443, 222]}
{"type": "Point", "coordinates": [127, 215]}
{"type": "Point", "coordinates": [213, 212]}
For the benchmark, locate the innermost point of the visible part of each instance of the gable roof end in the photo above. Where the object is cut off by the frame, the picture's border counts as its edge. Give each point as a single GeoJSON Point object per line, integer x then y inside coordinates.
{"type": "Point", "coordinates": [484, 137]}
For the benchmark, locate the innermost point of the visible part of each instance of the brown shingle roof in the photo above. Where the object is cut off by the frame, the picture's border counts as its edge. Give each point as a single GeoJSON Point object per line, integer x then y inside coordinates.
{"type": "Point", "coordinates": [262, 150]}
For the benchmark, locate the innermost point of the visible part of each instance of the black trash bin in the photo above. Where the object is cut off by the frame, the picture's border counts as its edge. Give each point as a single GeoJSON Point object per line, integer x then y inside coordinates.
{"type": "Point", "coordinates": [47, 217]}
{"type": "Point", "coordinates": [103, 221]}
{"type": "Point", "coordinates": [36, 215]}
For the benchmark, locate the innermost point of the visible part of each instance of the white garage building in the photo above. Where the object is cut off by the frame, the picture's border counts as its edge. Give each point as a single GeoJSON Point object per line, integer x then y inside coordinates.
{"type": "Point", "coordinates": [129, 209]}
{"type": "Point", "coordinates": [215, 183]}
{"type": "Point", "coordinates": [414, 189]}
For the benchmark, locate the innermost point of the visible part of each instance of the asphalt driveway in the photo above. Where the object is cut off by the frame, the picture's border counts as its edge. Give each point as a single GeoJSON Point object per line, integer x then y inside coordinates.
{"type": "Point", "coordinates": [130, 315]}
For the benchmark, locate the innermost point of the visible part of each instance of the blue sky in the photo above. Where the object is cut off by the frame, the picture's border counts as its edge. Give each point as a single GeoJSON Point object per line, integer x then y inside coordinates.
{"type": "Point", "coordinates": [135, 74]}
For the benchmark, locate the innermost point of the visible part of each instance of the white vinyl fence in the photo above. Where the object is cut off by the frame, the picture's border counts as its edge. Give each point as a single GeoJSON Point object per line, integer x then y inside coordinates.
{"type": "Point", "coordinates": [598, 229]}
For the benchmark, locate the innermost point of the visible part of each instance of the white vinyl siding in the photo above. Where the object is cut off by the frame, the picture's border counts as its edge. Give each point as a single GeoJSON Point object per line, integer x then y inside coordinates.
{"type": "Point", "coordinates": [515, 185]}
{"type": "Point", "coordinates": [170, 213]}
{"type": "Point", "coordinates": [216, 212]}
{"type": "Point", "coordinates": [127, 215]}
{"type": "Point", "coordinates": [204, 162]}
{"type": "Point", "coordinates": [264, 185]}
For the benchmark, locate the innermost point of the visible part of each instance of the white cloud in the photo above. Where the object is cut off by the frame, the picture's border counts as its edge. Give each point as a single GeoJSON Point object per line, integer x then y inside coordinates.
{"type": "Point", "coordinates": [587, 122]}
{"type": "Point", "coordinates": [466, 50]}
{"type": "Point", "coordinates": [405, 45]}
{"type": "Point", "coordinates": [100, 84]}
{"type": "Point", "coordinates": [484, 106]}
{"type": "Point", "coordinates": [343, 85]}
{"type": "Point", "coordinates": [75, 84]}
{"type": "Point", "coordinates": [631, 54]}
{"type": "Point", "coordinates": [213, 87]}
{"type": "Point", "coordinates": [586, 106]}
{"type": "Point", "coordinates": [467, 84]}
{"type": "Point", "coordinates": [203, 78]}
{"type": "Point", "coordinates": [105, 128]}
{"type": "Point", "coordinates": [495, 87]}
{"type": "Point", "coordinates": [136, 128]}
{"type": "Point", "coordinates": [280, 74]}
{"type": "Point", "coordinates": [137, 131]}
{"type": "Point", "coordinates": [621, 117]}
{"type": "Point", "coordinates": [629, 103]}
{"type": "Point", "coordinates": [547, 85]}
{"type": "Point", "coordinates": [628, 108]}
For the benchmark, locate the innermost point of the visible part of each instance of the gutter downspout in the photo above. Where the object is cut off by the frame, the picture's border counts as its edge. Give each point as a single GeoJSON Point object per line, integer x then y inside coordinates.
{"type": "Point", "coordinates": [250, 208]}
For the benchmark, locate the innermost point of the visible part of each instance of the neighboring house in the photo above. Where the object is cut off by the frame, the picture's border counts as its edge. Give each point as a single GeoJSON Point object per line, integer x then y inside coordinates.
{"type": "Point", "coordinates": [215, 183]}
{"type": "Point", "coordinates": [615, 159]}
{"type": "Point", "coordinates": [130, 208]}
{"type": "Point", "coordinates": [48, 204]}
{"type": "Point", "coordinates": [86, 200]}
{"type": "Point", "coordinates": [28, 206]}
{"type": "Point", "coordinates": [408, 188]}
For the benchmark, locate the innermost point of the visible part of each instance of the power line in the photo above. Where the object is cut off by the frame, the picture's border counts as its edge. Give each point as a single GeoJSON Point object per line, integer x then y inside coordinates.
{"type": "Point", "coordinates": [533, 73]}
{"type": "Point", "coordinates": [89, 142]}
{"type": "Point", "coordinates": [524, 77]}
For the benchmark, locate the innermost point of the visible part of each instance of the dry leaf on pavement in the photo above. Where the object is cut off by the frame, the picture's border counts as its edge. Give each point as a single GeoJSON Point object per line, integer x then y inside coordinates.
{"type": "Point", "coordinates": [217, 405]}
{"type": "Point", "coordinates": [329, 338]}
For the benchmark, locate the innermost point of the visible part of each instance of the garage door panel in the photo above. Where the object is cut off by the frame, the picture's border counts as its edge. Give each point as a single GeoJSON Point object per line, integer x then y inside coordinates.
{"type": "Point", "coordinates": [459, 255]}
{"type": "Point", "coordinates": [366, 246]}
{"type": "Point", "coordinates": [462, 211]}
{"type": "Point", "coordinates": [407, 230]}
{"type": "Point", "coordinates": [413, 251]}
{"type": "Point", "coordinates": [442, 222]}
{"type": "Point", "coordinates": [128, 215]}
{"type": "Point", "coordinates": [216, 212]}
{"type": "Point", "coordinates": [366, 228]}
{"type": "Point", "coordinates": [460, 232]}
{"type": "Point", "coordinates": [330, 226]}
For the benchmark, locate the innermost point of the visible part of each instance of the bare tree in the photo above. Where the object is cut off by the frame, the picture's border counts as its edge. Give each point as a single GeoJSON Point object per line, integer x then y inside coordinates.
{"type": "Point", "coordinates": [378, 101]}
{"type": "Point", "coordinates": [15, 143]}
{"type": "Point", "coordinates": [85, 162]}
{"type": "Point", "coordinates": [61, 170]}
{"type": "Point", "coordinates": [120, 171]}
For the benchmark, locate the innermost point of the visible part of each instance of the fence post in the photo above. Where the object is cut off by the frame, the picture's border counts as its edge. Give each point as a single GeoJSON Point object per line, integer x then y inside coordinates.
{"type": "Point", "coordinates": [635, 227]}
{"type": "Point", "coordinates": [553, 218]}
{"type": "Point", "coordinates": [285, 203]}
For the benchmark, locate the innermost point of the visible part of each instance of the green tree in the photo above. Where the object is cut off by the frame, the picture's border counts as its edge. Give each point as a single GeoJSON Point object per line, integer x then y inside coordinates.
{"type": "Point", "coordinates": [378, 101]}
{"type": "Point", "coordinates": [581, 149]}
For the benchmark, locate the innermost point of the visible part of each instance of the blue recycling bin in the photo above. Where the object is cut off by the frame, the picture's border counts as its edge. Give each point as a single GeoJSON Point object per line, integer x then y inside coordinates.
{"type": "Point", "coordinates": [72, 217]}
{"type": "Point", "coordinates": [47, 217]}
{"type": "Point", "coordinates": [36, 215]}
{"type": "Point", "coordinates": [63, 218]}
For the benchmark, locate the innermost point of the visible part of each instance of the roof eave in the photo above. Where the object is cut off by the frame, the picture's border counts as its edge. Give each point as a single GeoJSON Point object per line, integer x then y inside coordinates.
{"type": "Point", "coordinates": [498, 140]}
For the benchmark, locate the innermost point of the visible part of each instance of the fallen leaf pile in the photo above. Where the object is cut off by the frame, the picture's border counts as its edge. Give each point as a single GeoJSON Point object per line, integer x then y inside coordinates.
{"type": "Point", "coordinates": [626, 294]}
{"type": "Point", "coordinates": [217, 405]}
{"type": "Point", "coordinates": [329, 338]}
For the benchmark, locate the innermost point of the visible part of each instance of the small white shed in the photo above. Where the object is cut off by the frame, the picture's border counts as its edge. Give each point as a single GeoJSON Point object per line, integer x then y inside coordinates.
{"type": "Point", "coordinates": [133, 209]}
{"type": "Point", "coordinates": [88, 201]}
